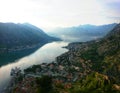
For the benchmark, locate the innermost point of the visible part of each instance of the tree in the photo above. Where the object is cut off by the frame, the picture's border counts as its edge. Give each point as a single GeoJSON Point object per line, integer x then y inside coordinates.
{"type": "Point", "coordinates": [45, 84]}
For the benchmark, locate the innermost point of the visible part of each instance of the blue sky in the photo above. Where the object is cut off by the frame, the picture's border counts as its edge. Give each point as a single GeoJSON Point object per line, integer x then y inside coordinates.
{"type": "Point", "coordinates": [60, 13]}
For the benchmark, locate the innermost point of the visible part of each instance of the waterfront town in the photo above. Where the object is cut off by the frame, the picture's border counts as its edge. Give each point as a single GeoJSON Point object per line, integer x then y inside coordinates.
{"type": "Point", "coordinates": [74, 70]}
{"type": "Point", "coordinates": [65, 69]}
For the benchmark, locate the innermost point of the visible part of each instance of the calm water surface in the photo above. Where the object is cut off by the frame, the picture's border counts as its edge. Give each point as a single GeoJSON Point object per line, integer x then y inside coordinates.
{"type": "Point", "coordinates": [47, 53]}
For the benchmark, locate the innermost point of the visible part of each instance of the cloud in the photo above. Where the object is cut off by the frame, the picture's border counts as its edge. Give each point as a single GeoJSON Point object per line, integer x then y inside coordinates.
{"type": "Point", "coordinates": [54, 13]}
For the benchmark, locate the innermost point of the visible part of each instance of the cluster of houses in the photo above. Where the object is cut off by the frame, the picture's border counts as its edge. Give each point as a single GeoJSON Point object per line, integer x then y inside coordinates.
{"type": "Point", "coordinates": [64, 69]}
{"type": "Point", "coordinates": [58, 71]}
{"type": "Point", "coordinates": [25, 86]}
{"type": "Point", "coordinates": [67, 68]}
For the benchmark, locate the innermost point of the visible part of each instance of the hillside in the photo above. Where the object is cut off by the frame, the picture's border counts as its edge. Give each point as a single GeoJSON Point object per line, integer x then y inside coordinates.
{"type": "Point", "coordinates": [92, 66]}
{"type": "Point", "coordinates": [21, 36]}
{"type": "Point", "coordinates": [100, 58]}
{"type": "Point", "coordinates": [98, 62]}
{"type": "Point", "coordinates": [103, 54]}
{"type": "Point", "coordinates": [82, 33]}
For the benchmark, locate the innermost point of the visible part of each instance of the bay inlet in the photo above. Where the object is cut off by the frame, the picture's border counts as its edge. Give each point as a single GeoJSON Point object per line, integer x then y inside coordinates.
{"type": "Point", "coordinates": [44, 54]}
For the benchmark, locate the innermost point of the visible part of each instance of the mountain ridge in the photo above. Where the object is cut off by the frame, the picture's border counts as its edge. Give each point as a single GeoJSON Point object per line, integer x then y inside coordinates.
{"type": "Point", "coordinates": [83, 32]}
{"type": "Point", "coordinates": [16, 36]}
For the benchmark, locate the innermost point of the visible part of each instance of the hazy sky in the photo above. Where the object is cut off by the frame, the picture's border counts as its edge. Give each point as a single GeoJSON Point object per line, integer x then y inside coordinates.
{"type": "Point", "coordinates": [60, 13]}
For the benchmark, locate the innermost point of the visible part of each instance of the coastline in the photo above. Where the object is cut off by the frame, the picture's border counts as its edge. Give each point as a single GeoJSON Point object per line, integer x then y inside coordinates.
{"type": "Point", "coordinates": [82, 63]}
{"type": "Point", "coordinates": [62, 69]}
{"type": "Point", "coordinates": [41, 52]}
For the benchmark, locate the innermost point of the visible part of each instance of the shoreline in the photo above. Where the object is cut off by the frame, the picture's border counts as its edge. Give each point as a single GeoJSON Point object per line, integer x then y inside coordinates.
{"type": "Point", "coordinates": [59, 45]}
{"type": "Point", "coordinates": [58, 69]}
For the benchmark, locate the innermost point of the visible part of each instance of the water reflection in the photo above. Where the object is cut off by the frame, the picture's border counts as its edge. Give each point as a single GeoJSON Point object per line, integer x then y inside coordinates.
{"type": "Point", "coordinates": [47, 53]}
{"type": "Point", "coordinates": [7, 58]}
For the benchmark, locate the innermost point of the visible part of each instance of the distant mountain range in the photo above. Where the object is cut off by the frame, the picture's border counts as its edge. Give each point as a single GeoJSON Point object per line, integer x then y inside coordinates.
{"type": "Point", "coordinates": [21, 36]}
{"type": "Point", "coordinates": [82, 32]}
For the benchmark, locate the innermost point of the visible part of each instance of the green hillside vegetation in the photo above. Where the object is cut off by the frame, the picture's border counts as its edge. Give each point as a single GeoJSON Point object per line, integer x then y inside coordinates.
{"type": "Point", "coordinates": [94, 83]}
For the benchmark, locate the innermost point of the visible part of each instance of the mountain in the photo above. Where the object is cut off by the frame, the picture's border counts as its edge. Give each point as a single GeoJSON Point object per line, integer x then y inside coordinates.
{"type": "Point", "coordinates": [103, 54]}
{"type": "Point", "coordinates": [102, 61]}
{"type": "Point", "coordinates": [21, 36]}
{"type": "Point", "coordinates": [82, 32]}
{"type": "Point", "coordinates": [92, 66]}
{"type": "Point", "coordinates": [98, 62]}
